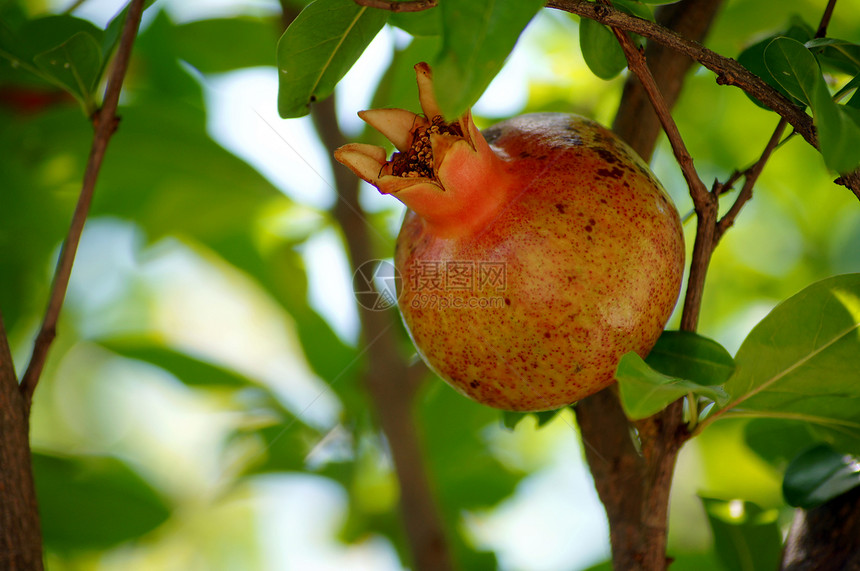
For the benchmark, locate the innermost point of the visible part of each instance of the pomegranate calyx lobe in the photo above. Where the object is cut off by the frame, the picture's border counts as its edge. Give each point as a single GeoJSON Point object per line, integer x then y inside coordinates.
{"type": "Point", "coordinates": [445, 172]}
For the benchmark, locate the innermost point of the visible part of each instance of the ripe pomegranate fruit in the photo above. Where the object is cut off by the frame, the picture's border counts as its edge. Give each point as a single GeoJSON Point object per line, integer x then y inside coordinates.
{"type": "Point", "coordinates": [533, 256]}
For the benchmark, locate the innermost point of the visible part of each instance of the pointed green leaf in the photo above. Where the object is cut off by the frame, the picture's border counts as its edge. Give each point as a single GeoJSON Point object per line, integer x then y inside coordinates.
{"type": "Point", "coordinates": [794, 67]}
{"type": "Point", "coordinates": [478, 36]}
{"type": "Point", "coordinates": [753, 59]}
{"type": "Point", "coordinates": [819, 475]}
{"type": "Point", "coordinates": [686, 355]}
{"type": "Point", "coordinates": [75, 65]}
{"type": "Point", "coordinates": [318, 48]}
{"type": "Point", "coordinates": [801, 362]}
{"type": "Point", "coordinates": [93, 502]}
{"type": "Point", "coordinates": [645, 392]}
{"type": "Point", "coordinates": [600, 49]}
{"type": "Point", "coordinates": [746, 538]}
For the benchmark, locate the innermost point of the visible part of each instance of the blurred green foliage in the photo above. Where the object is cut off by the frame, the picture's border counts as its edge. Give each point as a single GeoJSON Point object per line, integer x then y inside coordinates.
{"type": "Point", "coordinates": [167, 411]}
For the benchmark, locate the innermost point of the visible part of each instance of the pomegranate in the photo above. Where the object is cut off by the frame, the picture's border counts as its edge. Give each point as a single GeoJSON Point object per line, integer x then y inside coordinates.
{"type": "Point", "coordinates": [533, 256]}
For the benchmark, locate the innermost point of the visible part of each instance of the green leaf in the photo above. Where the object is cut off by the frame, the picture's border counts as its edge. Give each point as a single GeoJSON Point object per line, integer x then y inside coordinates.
{"type": "Point", "coordinates": [423, 23]}
{"type": "Point", "coordinates": [478, 36]}
{"type": "Point", "coordinates": [645, 392]}
{"type": "Point", "coordinates": [819, 475]}
{"type": "Point", "coordinates": [794, 67]}
{"type": "Point", "coordinates": [838, 132]}
{"type": "Point", "coordinates": [48, 35]}
{"type": "Point", "coordinates": [638, 9]}
{"type": "Point", "coordinates": [797, 71]}
{"type": "Point", "coordinates": [510, 419]}
{"type": "Point", "coordinates": [801, 362]}
{"type": "Point", "coordinates": [204, 43]}
{"type": "Point", "coordinates": [746, 538]}
{"type": "Point", "coordinates": [752, 58]}
{"type": "Point", "coordinates": [691, 356]}
{"type": "Point", "coordinates": [660, 2]}
{"type": "Point", "coordinates": [89, 502]}
{"type": "Point", "coordinates": [318, 48]}
{"type": "Point", "coordinates": [185, 367]}
{"type": "Point", "coordinates": [839, 54]}
{"type": "Point", "coordinates": [600, 49]}
{"type": "Point", "coordinates": [75, 65]}
{"type": "Point", "coordinates": [777, 441]}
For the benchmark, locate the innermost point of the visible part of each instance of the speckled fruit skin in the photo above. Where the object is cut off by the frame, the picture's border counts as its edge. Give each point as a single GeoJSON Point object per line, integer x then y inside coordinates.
{"type": "Point", "coordinates": [593, 256]}
{"type": "Point", "coordinates": [562, 254]}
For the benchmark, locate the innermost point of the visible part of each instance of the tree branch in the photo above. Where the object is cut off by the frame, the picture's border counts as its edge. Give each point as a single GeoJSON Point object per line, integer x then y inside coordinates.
{"type": "Point", "coordinates": [634, 487]}
{"type": "Point", "coordinates": [729, 71]}
{"type": "Point", "coordinates": [105, 122]}
{"type": "Point", "coordinates": [750, 177]}
{"type": "Point", "coordinates": [398, 5]}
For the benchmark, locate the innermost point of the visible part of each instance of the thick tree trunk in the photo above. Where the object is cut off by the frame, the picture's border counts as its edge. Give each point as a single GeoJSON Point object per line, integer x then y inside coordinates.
{"type": "Point", "coordinates": [20, 533]}
{"type": "Point", "coordinates": [826, 538]}
{"type": "Point", "coordinates": [388, 380]}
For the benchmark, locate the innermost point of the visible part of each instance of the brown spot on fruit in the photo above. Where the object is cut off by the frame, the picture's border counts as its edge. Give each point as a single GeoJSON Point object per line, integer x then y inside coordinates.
{"type": "Point", "coordinates": [560, 207]}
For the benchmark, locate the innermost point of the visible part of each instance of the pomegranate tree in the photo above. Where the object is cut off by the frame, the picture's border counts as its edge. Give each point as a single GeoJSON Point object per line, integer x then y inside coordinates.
{"type": "Point", "coordinates": [533, 255]}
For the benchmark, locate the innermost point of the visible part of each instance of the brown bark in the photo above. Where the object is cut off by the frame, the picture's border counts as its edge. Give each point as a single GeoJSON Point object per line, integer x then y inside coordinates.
{"type": "Point", "coordinates": [389, 380]}
{"type": "Point", "coordinates": [20, 533]}
{"type": "Point", "coordinates": [826, 538]}
{"type": "Point", "coordinates": [634, 484]}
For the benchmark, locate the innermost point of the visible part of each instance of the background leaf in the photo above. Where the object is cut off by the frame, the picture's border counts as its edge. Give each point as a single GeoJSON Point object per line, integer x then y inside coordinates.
{"type": "Point", "coordinates": [819, 475]}
{"type": "Point", "coordinates": [839, 54]}
{"type": "Point", "coordinates": [746, 537]}
{"type": "Point", "coordinates": [186, 368]}
{"type": "Point", "coordinates": [224, 44]}
{"type": "Point", "coordinates": [318, 48]}
{"type": "Point", "coordinates": [478, 36]}
{"type": "Point", "coordinates": [89, 502]}
{"type": "Point", "coordinates": [801, 362]}
{"type": "Point", "coordinates": [75, 64]}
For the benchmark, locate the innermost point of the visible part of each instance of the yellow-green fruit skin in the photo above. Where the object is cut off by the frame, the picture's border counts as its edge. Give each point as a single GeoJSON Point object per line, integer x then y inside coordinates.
{"type": "Point", "coordinates": [583, 263]}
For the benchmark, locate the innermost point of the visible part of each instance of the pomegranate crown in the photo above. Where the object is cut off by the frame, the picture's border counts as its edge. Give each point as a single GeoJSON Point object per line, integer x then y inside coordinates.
{"type": "Point", "coordinates": [443, 171]}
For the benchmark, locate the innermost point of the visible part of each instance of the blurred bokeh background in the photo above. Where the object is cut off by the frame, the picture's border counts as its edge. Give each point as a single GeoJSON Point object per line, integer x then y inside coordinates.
{"type": "Point", "coordinates": [202, 406]}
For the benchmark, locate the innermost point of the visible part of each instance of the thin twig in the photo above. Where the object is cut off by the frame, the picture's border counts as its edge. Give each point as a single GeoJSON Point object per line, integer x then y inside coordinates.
{"type": "Point", "coordinates": [105, 121]}
{"type": "Point", "coordinates": [704, 202]}
{"type": "Point", "coordinates": [398, 6]}
{"type": "Point", "coordinates": [636, 62]}
{"type": "Point", "coordinates": [750, 177]}
{"type": "Point", "coordinates": [825, 19]}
